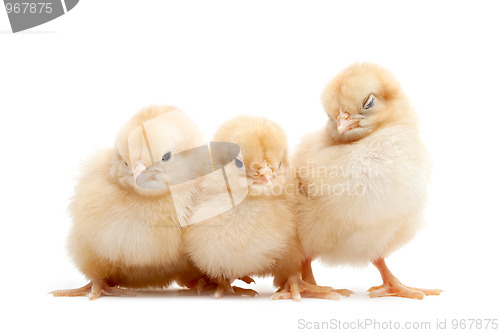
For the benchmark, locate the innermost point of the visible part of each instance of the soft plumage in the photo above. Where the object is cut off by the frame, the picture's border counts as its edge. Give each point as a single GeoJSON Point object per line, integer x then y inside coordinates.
{"type": "Point", "coordinates": [258, 236]}
{"type": "Point", "coordinates": [363, 178]}
{"type": "Point", "coordinates": [124, 235]}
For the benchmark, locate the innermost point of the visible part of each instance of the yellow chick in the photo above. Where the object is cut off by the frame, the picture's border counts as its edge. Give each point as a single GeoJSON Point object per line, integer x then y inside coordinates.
{"type": "Point", "coordinates": [126, 231]}
{"type": "Point", "coordinates": [258, 236]}
{"type": "Point", "coordinates": [363, 178]}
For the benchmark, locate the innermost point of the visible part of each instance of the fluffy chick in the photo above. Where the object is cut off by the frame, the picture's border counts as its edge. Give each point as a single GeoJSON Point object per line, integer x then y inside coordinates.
{"type": "Point", "coordinates": [258, 236]}
{"type": "Point", "coordinates": [124, 235]}
{"type": "Point", "coordinates": [363, 178]}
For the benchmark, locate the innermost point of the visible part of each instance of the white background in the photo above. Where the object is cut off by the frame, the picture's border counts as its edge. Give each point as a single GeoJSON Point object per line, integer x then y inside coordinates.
{"type": "Point", "coordinates": [67, 86]}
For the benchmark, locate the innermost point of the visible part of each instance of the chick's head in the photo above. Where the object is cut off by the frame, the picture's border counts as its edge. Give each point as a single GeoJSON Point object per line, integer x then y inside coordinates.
{"type": "Point", "coordinates": [149, 141]}
{"type": "Point", "coordinates": [361, 99]}
{"type": "Point", "coordinates": [264, 148]}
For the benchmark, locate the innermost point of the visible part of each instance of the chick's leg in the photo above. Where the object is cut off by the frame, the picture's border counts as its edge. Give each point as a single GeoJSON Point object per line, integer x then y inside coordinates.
{"type": "Point", "coordinates": [393, 287]}
{"type": "Point", "coordinates": [307, 273]}
{"type": "Point", "coordinates": [93, 290]}
{"type": "Point", "coordinates": [295, 288]}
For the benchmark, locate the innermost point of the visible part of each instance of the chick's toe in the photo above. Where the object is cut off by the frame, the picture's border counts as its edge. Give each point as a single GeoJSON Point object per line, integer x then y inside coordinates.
{"type": "Point", "coordinates": [83, 291]}
{"type": "Point", "coordinates": [94, 290]}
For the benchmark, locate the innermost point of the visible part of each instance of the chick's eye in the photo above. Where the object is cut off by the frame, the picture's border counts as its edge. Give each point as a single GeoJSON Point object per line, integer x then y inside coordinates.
{"type": "Point", "coordinates": [125, 163]}
{"type": "Point", "coordinates": [238, 163]}
{"type": "Point", "coordinates": [369, 102]}
{"type": "Point", "coordinates": [167, 157]}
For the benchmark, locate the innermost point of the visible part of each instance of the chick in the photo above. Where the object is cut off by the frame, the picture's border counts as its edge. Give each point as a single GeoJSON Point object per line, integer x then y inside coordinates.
{"type": "Point", "coordinates": [257, 237]}
{"type": "Point", "coordinates": [126, 231]}
{"type": "Point", "coordinates": [363, 178]}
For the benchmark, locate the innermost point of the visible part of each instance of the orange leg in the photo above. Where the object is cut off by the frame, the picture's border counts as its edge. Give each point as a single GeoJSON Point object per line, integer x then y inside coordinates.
{"type": "Point", "coordinates": [307, 273]}
{"type": "Point", "coordinates": [393, 287]}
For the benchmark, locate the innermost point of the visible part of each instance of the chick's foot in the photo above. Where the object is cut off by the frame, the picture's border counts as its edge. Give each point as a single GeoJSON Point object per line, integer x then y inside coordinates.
{"type": "Point", "coordinates": [307, 273]}
{"type": "Point", "coordinates": [393, 287]}
{"type": "Point", "coordinates": [201, 285]}
{"type": "Point", "coordinates": [94, 290]}
{"type": "Point", "coordinates": [308, 276]}
{"type": "Point", "coordinates": [224, 288]}
{"type": "Point", "coordinates": [296, 288]}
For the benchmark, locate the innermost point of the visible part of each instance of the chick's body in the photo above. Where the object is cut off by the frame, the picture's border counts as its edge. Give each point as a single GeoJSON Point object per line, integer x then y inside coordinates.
{"type": "Point", "coordinates": [124, 235]}
{"type": "Point", "coordinates": [120, 236]}
{"type": "Point", "coordinates": [363, 178]}
{"type": "Point", "coordinates": [258, 236]}
{"type": "Point", "coordinates": [247, 240]}
{"type": "Point", "coordinates": [362, 200]}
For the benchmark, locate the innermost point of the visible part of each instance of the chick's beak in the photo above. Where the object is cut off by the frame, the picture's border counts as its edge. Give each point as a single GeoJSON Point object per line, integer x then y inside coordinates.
{"type": "Point", "coordinates": [265, 176]}
{"type": "Point", "coordinates": [345, 123]}
{"type": "Point", "coordinates": [139, 168]}
{"type": "Point", "coordinates": [149, 177]}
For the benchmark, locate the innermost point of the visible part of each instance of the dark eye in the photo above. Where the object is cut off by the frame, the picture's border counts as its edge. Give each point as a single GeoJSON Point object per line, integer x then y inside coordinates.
{"type": "Point", "coordinates": [369, 102]}
{"type": "Point", "coordinates": [238, 163]}
{"type": "Point", "coordinates": [125, 163]}
{"type": "Point", "coordinates": [279, 166]}
{"type": "Point", "coordinates": [167, 157]}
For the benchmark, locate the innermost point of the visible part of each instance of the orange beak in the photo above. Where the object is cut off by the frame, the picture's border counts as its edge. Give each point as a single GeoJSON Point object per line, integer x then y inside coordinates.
{"type": "Point", "coordinates": [345, 123]}
{"type": "Point", "coordinates": [265, 175]}
{"type": "Point", "coordinates": [149, 177]}
{"type": "Point", "coordinates": [139, 168]}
